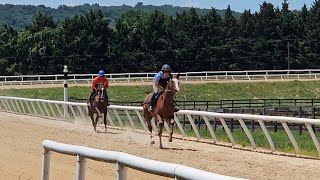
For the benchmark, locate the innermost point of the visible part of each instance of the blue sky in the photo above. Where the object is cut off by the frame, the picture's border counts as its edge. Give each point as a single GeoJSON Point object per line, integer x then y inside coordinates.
{"type": "Point", "coordinates": [237, 5]}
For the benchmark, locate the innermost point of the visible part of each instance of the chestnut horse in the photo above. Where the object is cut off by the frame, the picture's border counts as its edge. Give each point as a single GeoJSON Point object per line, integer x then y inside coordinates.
{"type": "Point", "coordinates": [99, 107]}
{"type": "Point", "coordinates": [164, 110]}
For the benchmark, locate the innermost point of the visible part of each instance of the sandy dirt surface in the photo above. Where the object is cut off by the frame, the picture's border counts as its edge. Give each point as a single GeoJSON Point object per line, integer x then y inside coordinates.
{"type": "Point", "coordinates": [21, 153]}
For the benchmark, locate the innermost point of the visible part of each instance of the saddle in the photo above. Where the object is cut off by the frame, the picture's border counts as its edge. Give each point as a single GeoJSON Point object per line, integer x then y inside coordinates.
{"type": "Point", "coordinates": [93, 95]}
{"type": "Point", "coordinates": [91, 98]}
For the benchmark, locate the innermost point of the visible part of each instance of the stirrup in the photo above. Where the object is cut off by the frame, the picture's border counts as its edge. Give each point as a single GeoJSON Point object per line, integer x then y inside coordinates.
{"type": "Point", "coordinates": [150, 109]}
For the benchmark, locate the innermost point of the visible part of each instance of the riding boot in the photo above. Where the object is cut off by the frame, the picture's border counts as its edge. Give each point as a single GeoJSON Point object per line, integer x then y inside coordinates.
{"type": "Point", "coordinates": [91, 97]}
{"type": "Point", "coordinates": [152, 102]}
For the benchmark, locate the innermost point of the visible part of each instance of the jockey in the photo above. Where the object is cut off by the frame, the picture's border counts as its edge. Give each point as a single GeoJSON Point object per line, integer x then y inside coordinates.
{"type": "Point", "coordinates": [160, 81]}
{"type": "Point", "coordinates": [101, 79]}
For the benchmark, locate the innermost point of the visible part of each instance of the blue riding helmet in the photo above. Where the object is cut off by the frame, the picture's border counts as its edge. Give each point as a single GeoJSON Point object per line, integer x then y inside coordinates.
{"type": "Point", "coordinates": [165, 67]}
{"type": "Point", "coordinates": [101, 73]}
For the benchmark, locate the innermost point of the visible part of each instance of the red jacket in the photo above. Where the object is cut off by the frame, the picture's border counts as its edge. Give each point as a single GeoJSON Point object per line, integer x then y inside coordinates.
{"type": "Point", "coordinates": [100, 80]}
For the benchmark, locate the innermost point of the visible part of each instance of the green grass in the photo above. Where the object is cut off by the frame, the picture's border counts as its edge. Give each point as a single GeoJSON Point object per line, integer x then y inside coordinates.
{"type": "Point", "coordinates": [210, 91]}
{"type": "Point", "coordinates": [280, 139]}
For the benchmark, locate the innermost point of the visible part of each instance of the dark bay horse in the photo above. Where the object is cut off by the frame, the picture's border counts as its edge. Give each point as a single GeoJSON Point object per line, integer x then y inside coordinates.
{"type": "Point", "coordinates": [99, 107]}
{"type": "Point", "coordinates": [164, 110]}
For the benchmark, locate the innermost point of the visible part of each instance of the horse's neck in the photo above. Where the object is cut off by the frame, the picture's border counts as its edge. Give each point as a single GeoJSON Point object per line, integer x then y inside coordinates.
{"type": "Point", "coordinates": [167, 94]}
{"type": "Point", "coordinates": [97, 98]}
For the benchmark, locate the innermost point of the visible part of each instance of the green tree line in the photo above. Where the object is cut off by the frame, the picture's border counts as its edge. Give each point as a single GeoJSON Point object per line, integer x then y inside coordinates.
{"type": "Point", "coordinates": [140, 41]}
{"type": "Point", "coordinates": [20, 16]}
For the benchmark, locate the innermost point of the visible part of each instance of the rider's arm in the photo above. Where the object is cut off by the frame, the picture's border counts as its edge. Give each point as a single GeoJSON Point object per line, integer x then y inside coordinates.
{"type": "Point", "coordinates": [106, 85]}
{"type": "Point", "coordinates": [157, 84]}
{"type": "Point", "coordinates": [157, 79]}
{"type": "Point", "coordinates": [94, 83]}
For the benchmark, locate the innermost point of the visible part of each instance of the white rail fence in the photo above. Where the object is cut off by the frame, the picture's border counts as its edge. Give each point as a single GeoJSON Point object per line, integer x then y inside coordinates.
{"type": "Point", "coordinates": [122, 161]}
{"type": "Point", "coordinates": [130, 116]}
{"type": "Point", "coordinates": [147, 77]}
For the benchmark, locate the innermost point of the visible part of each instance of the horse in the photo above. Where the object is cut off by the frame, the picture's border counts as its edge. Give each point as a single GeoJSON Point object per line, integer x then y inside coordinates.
{"type": "Point", "coordinates": [164, 110]}
{"type": "Point", "coordinates": [99, 107]}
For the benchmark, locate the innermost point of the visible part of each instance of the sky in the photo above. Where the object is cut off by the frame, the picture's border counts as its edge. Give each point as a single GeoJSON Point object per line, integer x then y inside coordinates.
{"type": "Point", "coordinates": [236, 5]}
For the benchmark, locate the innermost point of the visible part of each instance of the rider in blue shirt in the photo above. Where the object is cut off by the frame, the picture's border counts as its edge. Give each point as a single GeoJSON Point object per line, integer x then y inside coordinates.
{"type": "Point", "coordinates": [160, 81]}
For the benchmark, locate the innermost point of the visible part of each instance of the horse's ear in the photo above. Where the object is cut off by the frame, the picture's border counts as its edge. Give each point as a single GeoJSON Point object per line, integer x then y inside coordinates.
{"type": "Point", "coordinates": [177, 75]}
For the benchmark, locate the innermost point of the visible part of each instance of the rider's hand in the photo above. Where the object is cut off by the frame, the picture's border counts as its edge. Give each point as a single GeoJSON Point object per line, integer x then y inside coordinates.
{"type": "Point", "coordinates": [161, 88]}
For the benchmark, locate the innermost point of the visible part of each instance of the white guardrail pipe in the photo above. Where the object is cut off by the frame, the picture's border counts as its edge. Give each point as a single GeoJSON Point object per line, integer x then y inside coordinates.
{"type": "Point", "coordinates": [130, 116]}
{"type": "Point", "coordinates": [122, 161]}
{"type": "Point", "coordinates": [186, 76]}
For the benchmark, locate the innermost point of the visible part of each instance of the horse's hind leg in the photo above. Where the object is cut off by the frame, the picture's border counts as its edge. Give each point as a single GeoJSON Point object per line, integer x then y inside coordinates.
{"type": "Point", "coordinates": [150, 130]}
{"type": "Point", "coordinates": [95, 123]}
{"type": "Point", "coordinates": [92, 120]}
{"type": "Point", "coordinates": [148, 121]}
{"type": "Point", "coordinates": [105, 121]}
{"type": "Point", "coordinates": [88, 110]}
{"type": "Point", "coordinates": [160, 134]}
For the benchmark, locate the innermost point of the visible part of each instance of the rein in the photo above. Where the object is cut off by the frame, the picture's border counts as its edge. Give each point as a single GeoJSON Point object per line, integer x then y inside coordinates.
{"type": "Point", "coordinates": [168, 90]}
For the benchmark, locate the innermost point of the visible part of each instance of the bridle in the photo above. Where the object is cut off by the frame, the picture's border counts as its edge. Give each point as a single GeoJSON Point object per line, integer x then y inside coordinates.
{"type": "Point", "coordinates": [171, 87]}
{"type": "Point", "coordinates": [101, 92]}
{"type": "Point", "coordinates": [174, 85]}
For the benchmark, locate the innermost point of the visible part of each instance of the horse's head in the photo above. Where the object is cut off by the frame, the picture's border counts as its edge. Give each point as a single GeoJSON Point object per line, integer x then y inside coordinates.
{"type": "Point", "coordinates": [101, 92]}
{"type": "Point", "coordinates": [173, 84]}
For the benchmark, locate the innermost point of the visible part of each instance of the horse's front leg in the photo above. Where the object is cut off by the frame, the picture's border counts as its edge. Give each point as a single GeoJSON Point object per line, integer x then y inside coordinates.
{"type": "Point", "coordinates": [95, 123]}
{"type": "Point", "coordinates": [171, 129]}
{"type": "Point", "coordinates": [98, 112]}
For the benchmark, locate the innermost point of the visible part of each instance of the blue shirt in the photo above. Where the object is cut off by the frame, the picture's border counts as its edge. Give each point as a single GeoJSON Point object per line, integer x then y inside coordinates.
{"type": "Point", "coordinates": [161, 80]}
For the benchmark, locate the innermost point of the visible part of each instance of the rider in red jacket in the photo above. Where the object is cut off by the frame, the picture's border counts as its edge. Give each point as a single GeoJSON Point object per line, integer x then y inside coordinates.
{"type": "Point", "coordinates": [101, 79]}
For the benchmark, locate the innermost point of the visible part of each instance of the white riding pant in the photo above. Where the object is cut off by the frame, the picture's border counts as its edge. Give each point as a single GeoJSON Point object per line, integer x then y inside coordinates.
{"type": "Point", "coordinates": [155, 88]}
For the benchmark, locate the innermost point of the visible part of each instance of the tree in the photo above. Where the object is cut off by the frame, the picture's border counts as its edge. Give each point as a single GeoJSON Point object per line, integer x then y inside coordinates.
{"type": "Point", "coordinates": [41, 21]}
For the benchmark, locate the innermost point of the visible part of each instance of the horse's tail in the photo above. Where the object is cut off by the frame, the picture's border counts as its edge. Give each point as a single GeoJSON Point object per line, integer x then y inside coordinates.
{"type": "Point", "coordinates": [147, 99]}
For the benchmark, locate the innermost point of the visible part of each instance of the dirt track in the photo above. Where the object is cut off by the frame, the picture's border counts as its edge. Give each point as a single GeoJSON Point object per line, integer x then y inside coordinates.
{"type": "Point", "coordinates": [21, 153]}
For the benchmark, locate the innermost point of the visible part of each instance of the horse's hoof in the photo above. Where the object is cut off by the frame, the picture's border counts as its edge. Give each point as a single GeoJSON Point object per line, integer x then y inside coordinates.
{"type": "Point", "coordinates": [170, 140]}
{"type": "Point", "coordinates": [160, 147]}
{"type": "Point", "coordinates": [152, 142]}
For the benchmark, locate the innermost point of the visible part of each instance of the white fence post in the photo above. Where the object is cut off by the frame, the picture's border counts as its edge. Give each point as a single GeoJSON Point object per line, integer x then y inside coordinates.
{"type": "Point", "coordinates": [65, 90]}
{"type": "Point", "coordinates": [121, 171]}
{"type": "Point", "coordinates": [81, 167]}
{"type": "Point", "coordinates": [45, 164]}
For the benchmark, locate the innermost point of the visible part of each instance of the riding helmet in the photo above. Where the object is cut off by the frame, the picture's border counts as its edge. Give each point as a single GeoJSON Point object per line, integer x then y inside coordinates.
{"type": "Point", "coordinates": [101, 73]}
{"type": "Point", "coordinates": [166, 67]}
